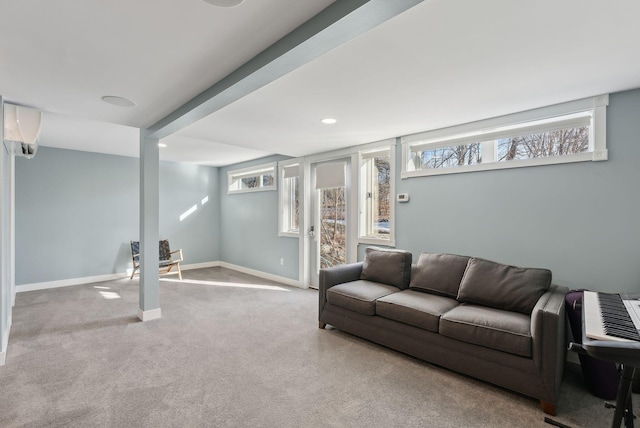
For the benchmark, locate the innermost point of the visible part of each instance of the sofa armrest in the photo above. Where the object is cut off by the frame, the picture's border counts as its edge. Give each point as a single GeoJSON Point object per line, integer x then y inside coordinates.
{"type": "Point", "coordinates": [548, 332]}
{"type": "Point", "coordinates": [336, 275]}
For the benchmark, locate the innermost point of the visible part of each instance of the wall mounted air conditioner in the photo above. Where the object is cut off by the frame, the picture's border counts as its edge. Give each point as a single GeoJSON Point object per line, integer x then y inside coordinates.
{"type": "Point", "coordinates": [21, 129]}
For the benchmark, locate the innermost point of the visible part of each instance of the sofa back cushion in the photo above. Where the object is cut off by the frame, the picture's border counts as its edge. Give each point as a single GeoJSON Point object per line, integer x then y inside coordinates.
{"type": "Point", "coordinates": [505, 287]}
{"type": "Point", "coordinates": [438, 273]}
{"type": "Point", "coordinates": [387, 266]}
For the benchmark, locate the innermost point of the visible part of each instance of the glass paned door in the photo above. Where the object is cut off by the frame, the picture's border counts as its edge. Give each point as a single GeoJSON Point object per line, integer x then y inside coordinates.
{"type": "Point", "coordinates": [329, 225]}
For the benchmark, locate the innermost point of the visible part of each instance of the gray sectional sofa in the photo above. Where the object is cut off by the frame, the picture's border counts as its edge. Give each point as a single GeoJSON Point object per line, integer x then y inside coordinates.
{"type": "Point", "coordinates": [498, 323]}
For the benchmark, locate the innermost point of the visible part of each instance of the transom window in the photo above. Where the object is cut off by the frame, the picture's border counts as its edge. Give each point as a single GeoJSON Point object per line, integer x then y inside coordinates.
{"type": "Point", "coordinates": [252, 179]}
{"type": "Point", "coordinates": [571, 132]}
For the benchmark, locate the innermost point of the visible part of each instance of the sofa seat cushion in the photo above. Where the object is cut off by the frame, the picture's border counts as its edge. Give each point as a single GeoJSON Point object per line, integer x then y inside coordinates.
{"type": "Point", "coordinates": [493, 328]}
{"type": "Point", "coordinates": [415, 308]}
{"type": "Point", "coordinates": [359, 296]}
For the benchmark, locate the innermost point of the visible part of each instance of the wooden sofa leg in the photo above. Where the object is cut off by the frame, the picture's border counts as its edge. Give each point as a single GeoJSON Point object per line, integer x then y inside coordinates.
{"type": "Point", "coordinates": [321, 325]}
{"type": "Point", "coordinates": [548, 408]}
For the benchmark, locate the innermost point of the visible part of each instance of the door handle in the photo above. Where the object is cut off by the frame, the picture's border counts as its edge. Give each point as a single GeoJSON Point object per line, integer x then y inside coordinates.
{"type": "Point", "coordinates": [312, 231]}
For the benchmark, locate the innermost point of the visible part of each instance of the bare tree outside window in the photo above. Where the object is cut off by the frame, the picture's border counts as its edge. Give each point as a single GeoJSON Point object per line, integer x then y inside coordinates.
{"type": "Point", "coordinates": [260, 178]}
{"type": "Point", "coordinates": [539, 145]}
{"type": "Point", "coordinates": [333, 248]}
{"type": "Point", "coordinates": [295, 224]}
{"type": "Point", "coordinates": [447, 157]}
{"type": "Point", "coordinates": [253, 182]}
{"type": "Point", "coordinates": [382, 206]}
{"type": "Point", "coordinates": [545, 144]}
{"type": "Point", "coordinates": [563, 133]}
{"type": "Point", "coordinates": [250, 182]}
{"type": "Point", "coordinates": [267, 180]}
{"type": "Point", "coordinates": [376, 198]}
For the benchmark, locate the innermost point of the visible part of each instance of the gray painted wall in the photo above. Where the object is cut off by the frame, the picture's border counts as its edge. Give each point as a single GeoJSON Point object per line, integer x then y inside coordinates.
{"type": "Point", "coordinates": [183, 186]}
{"type": "Point", "coordinates": [77, 211]}
{"type": "Point", "coordinates": [250, 229]}
{"type": "Point", "coordinates": [580, 220]}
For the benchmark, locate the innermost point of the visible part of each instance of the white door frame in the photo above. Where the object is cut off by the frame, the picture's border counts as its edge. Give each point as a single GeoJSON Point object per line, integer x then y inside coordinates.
{"type": "Point", "coordinates": [306, 244]}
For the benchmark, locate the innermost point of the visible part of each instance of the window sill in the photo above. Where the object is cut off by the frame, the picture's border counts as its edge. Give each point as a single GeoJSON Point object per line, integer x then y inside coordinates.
{"type": "Point", "coordinates": [377, 241]}
{"type": "Point", "coordinates": [579, 157]}
{"type": "Point", "coordinates": [256, 189]}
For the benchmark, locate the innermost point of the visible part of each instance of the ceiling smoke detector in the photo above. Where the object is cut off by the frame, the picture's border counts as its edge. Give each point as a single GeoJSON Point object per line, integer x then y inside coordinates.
{"type": "Point", "coordinates": [224, 3]}
{"type": "Point", "coordinates": [118, 101]}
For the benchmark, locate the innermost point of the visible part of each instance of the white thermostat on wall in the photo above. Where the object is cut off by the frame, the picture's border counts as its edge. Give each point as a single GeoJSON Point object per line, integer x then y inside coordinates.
{"type": "Point", "coordinates": [403, 197]}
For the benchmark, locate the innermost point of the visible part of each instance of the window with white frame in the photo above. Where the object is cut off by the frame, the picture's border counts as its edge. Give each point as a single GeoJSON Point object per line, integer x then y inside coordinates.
{"type": "Point", "coordinates": [252, 179]}
{"type": "Point", "coordinates": [570, 132]}
{"type": "Point", "coordinates": [376, 195]}
{"type": "Point", "coordinates": [289, 200]}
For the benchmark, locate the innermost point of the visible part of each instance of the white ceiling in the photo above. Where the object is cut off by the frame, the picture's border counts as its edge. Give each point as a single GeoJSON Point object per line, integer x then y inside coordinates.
{"type": "Point", "coordinates": [438, 64]}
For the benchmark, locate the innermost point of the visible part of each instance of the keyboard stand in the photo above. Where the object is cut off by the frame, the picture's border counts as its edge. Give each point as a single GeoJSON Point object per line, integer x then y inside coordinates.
{"type": "Point", "coordinates": [628, 355]}
{"type": "Point", "coordinates": [623, 406]}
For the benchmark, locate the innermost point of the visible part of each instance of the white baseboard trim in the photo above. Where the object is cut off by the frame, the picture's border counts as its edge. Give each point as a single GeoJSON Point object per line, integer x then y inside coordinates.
{"type": "Point", "coordinates": [260, 274]}
{"type": "Point", "coordinates": [200, 265]}
{"type": "Point", "coordinates": [67, 282]}
{"type": "Point", "coordinates": [99, 278]}
{"type": "Point", "coordinates": [110, 277]}
{"type": "Point", "coordinates": [2, 358]}
{"type": "Point", "coordinates": [152, 314]}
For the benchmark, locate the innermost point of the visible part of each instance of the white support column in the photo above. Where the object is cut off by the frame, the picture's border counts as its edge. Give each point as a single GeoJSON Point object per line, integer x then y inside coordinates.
{"type": "Point", "coordinates": [149, 228]}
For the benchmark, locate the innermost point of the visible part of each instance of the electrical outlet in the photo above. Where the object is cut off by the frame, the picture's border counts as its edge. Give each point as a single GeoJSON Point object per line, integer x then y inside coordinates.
{"type": "Point", "coordinates": [281, 261]}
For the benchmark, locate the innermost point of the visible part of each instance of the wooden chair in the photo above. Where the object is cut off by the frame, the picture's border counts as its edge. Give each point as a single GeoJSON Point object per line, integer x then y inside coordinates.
{"type": "Point", "coordinates": [166, 260]}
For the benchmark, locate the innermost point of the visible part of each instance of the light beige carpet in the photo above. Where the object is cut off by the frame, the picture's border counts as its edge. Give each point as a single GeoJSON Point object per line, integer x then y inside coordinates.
{"type": "Point", "coordinates": [232, 350]}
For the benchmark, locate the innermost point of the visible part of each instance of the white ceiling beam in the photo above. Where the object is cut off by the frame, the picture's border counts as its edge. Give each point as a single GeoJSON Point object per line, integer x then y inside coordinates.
{"type": "Point", "coordinates": [340, 22]}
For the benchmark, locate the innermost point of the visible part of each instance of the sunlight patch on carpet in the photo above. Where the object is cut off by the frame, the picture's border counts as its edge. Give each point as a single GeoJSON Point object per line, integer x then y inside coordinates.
{"type": "Point", "coordinates": [109, 295]}
{"type": "Point", "coordinates": [228, 284]}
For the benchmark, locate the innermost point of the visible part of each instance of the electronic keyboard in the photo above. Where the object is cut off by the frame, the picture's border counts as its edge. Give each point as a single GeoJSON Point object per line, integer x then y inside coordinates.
{"type": "Point", "coordinates": [613, 317]}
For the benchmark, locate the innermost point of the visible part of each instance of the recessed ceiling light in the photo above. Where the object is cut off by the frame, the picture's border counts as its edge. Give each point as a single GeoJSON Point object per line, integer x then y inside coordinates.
{"type": "Point", "coordinates": [118, 101]}
{"type": "Point", "coordinates": [224, 3]}
{"type": "Point", "coordinates": [161, 145]}
{"type": "Point", "coordinates": [328, 121]}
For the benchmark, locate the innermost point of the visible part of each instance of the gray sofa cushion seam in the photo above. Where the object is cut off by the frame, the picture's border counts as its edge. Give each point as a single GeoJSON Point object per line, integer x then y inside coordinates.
{"type": "Point", "coordinates": [411, 307]}
{"type": "Point", "coordinates": [351, 296]}
{"type": "Point", "coordinates": [487, 327]}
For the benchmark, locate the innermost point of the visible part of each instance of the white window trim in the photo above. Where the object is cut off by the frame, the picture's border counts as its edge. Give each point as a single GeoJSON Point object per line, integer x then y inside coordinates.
{"type": "Point", "coordinates": [362, 153]}
{"type": "Point", "coordinates": [251, 172]}
{"type": "Point", "coordinates": [304, 245]}
{"type": "Point", "coordinates": [458, 134]}
{"type": "Point", "coordinates": [281, 195]}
